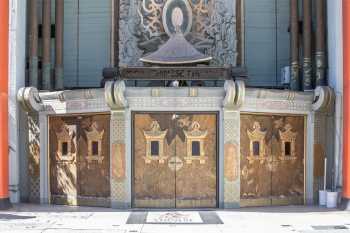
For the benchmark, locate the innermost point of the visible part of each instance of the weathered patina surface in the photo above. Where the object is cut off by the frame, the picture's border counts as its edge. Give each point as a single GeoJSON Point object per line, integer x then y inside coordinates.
{"type": "Point", "coordinates": [181, 171]}
{"type": "Point", "coordinates": [79, 160]}
{"type": "Point", "coordinates": [272, 160]}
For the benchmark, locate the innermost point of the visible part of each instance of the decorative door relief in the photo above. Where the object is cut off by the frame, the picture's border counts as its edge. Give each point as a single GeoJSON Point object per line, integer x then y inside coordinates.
{"type": "Point", "coordinates": [195, 143]}
{"type": "Point", "coordinates": [257, 145]}
{"type": "Point", "coordinates": [155, 144]}
{"type": "Point", "coordinates": [66, 143]}
{"type": "Point", "coordinates": [279, 177]}
{"type": "Point", "coordinates": [94, 138]}
{"type": "Point", "coordinates": [79, 160]}
{"type": "Point", "coordinates": [288, 140]}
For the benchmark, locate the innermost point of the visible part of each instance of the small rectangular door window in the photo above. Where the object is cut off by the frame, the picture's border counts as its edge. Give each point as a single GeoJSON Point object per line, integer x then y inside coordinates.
{"type": "Point", "coordinates": [287, 148]}
{"type": "Point", "coordinates": [94, 148]}
{"type": "Point", "coordinates": [196, 151]}
{"type": "Point", "coordinates": [65, 148]}
{"type": "Point", "coordinates": [256, 148]}
{"type": "Point", "coordinates": [155, 148]}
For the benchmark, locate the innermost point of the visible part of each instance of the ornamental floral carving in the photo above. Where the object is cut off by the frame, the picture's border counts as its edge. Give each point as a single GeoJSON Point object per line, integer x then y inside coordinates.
{"type": "Point", "coordinates": [257, 143]}
{"type": "Point", "coordinates": [66, 144]}
{"type": "Point", "coordinates": [155, 144]}
{"type": "Point", "coordinates": [94, 138]}
{"type": "Point", "coordinates": [195, 143]}
{"type": "Point", "coordinates": [288, 143]}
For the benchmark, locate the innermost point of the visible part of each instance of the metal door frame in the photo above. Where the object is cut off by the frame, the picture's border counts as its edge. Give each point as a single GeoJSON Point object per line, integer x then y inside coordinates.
{"type": "Point", "coordinates": [133, 113]}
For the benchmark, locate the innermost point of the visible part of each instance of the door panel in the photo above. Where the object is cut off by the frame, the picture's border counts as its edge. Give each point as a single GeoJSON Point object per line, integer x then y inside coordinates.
{"type": "Point", "coordinates": [196, 147]}
{"type": "Point", "coordinates": [93, 159]}
{"type": "Point", "coordinates": [174, 160]}
{"type": "Point", "coordinates": [79, 160]}
{"type": "Point", "coordinates": [255, 153]}
{"type": "Point", "coordinates": [63, 160]}
{"type": "Point", "coordinates": [288, 148]}
{"type": "Point", "coordinates": [276, 178]}
{"type": "Point", "coordinates": [154, 181]}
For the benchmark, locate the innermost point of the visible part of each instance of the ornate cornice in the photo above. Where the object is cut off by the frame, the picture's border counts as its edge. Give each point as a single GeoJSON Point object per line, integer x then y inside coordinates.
{"type": "Point", "coordinates": [29, 99]}
{"type": "Point", "coordinates": [115, 95]}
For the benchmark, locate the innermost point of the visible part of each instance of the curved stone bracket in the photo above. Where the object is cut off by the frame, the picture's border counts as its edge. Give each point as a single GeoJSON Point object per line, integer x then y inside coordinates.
{"type": "Point", "coordinates": [115, 95]}
{"type": "Point", "coordinates": [29, 99]}
{"type": "Point", "coordinates": [324, 99]}
{"type": "Point", "coordinates": [235, 94]}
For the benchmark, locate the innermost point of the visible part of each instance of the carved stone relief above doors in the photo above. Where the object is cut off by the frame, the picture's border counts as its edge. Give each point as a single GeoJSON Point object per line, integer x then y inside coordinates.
{"type": "Point", "coordinates": [272, 159]}
{"type": "Point", "coordinates": [213, 29]}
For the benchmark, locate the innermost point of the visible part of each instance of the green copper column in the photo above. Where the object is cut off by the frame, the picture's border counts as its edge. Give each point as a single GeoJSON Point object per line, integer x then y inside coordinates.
{"type": "Point", "coordinates": [46, 62]}
{"type": "Point", "coordinates": [307, 34]}
{"type": "Point", "coordinates": [294, 46]}
{"type": "Point", "coordinates": [33, 43]}
{"type": "Point", "coordinates": [320, 55]}
{"type": "Point", "coordinates": [59, 45]}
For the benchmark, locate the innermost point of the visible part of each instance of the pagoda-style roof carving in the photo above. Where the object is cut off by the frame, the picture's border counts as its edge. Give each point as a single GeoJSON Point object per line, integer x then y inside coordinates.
{"type": "Point", "coordinates": [177, 50]}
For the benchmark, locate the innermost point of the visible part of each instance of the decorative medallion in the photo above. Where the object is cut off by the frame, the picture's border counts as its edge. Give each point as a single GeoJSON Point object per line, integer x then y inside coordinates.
{"type": "Point", "coordinates": [155, 144]}
{"type": "Point", "coordinates": [94, 138]}
{"type": "Point", "coordinates": [195, 143]}
{"type": "Point", "coordinates": [175, 163]}
{"type": "Point", "coordinates": [171, 17]}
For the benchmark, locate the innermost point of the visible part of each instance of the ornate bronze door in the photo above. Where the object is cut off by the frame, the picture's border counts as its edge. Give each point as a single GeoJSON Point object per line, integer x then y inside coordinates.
{"type": "Point", "coordinates": [255, 150]}
{"type": "Point", "coordinates": [288, 164]}
{"type": "Point", "coordinates": [175, 160]}
{"type": "Point", "coordinates": [272, 160]}
{"type": "Point", "coordinates": [154, 182]}
{"type": "Point", "coordinates": [79, 160]}
{"type": "Point", "coordinates": [63, 160]}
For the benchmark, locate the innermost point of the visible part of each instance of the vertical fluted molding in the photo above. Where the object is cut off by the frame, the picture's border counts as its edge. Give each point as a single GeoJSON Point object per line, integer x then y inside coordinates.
{"type": "Point", "coordinates": [320, 55]}
{"type": "Point", "coordinates": [307, 35]}
{"type": "Point", "coordinates": [46, 62]}
{"type": "Point", "coordinates": [33, 43]}
{"type": "Point", "coordinates": [59, 18]}
{"type": "Point", "coordinates": [294, 29]}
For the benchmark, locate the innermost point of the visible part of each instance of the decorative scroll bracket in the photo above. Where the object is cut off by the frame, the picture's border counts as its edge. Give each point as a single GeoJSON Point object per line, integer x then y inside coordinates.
{"type": "Point", "coordinates": [235, 94]}
{"type": "Point", "coordinates": [29, 99]}
{"type": "Point", "coordinates": [115, 95]}
{"type": "Point", "coordinates": [324, 99]}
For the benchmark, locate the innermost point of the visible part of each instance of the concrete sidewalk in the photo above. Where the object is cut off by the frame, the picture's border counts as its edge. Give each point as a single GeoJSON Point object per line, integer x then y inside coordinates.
{"type": "Point", "coordinates": [42, 218]}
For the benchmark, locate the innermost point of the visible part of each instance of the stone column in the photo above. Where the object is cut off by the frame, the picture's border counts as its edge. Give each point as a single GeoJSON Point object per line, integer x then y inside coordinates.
{"type": "Point", "coordinates": [320, 43]}
{"type": "Point", "coordinates": [59, 44]}
{"type": "Point", "coordinates": [4, 143]}
{"type": "Point", "coordinates": [307, 35]}
{"type": "Point", "coordinates": [120, 196]}
{"type": "Point", "coordinates": [346, 106]}
{"type": "Point", "coordinates": [231, 127]}
{"type": "Point", "coordinates": [294, 46]}
{"type": "Point", "coordinates": [33, 43]}
{"type": "Point", "coordinates": [31, 103]}
{"type": "Point", "coordinates": [46, 62]}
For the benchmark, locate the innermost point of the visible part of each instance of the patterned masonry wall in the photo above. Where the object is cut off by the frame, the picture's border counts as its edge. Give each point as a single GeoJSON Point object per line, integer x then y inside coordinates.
{"type": "Point", "coordinates": [231, 158]}
{"type": "Point", "coordinates": [119, 180]}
